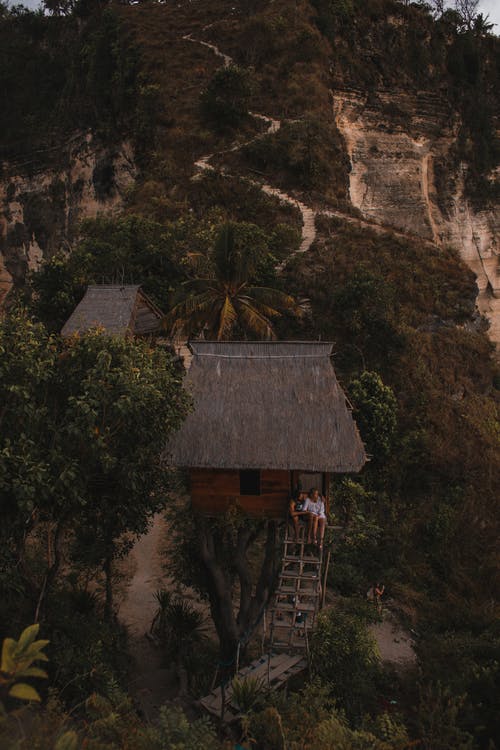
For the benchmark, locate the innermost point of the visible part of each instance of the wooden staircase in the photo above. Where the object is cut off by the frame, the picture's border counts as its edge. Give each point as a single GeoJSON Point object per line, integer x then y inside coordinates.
{"type": "Point", "coordinates": [293, 614]}
{"type": "Point", "coordinates": [297, 598]}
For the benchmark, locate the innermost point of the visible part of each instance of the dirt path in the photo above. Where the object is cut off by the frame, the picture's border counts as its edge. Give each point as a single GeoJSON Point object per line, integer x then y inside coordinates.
{"type": "Point", "coordinates": [152, 683]}
{"type": "Point", "coordinates": [308, 214]}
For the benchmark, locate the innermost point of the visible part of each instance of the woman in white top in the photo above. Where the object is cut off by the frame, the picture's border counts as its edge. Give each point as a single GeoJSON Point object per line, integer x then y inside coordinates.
{"type": "Point", "coordinates": [315, 506]}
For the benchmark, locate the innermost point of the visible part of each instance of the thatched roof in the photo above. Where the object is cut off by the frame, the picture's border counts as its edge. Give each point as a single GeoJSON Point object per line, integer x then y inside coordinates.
{"type": "Point", "coordinates": [266, 405]}
{"type": "Point", "coordinates": [119, 310]}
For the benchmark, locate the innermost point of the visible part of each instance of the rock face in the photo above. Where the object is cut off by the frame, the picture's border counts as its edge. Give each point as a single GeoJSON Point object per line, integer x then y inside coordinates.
{"type": "Point", "coordinates": [39, 213]}
{"type": "Point", "coordinates": [397, 144]}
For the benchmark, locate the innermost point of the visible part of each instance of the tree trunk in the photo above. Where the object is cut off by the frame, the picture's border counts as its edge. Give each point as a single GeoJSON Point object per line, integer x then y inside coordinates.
{"type": "Point", "coordinates": [232, 629]}
{"type": "Point", "coordinates": [53, 564]}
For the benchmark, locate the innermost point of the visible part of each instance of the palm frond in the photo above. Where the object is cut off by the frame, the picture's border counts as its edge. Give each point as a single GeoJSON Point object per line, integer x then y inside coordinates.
{"type": "Point", "coordinates": [188, 316]}
{"type": "Point", "coordinates": [254, 321]}
{"type": "Point", "coordinates": [277, 299]}
{"type": "Point", "coordinates": [260, 307]}
{"type": "Point", "coordinates": [227, 319]}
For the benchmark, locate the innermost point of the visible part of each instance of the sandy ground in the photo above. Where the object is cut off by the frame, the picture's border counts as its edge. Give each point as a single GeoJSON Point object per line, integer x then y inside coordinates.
{"type": "Point", "coordinates": [394, 643]}
{"type": "Point", "coordinates": [152, 681]}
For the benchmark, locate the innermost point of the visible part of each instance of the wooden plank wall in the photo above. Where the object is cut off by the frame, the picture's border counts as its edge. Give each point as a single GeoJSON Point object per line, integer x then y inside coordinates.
{"type": "Point", "coordinates": [214, 490]}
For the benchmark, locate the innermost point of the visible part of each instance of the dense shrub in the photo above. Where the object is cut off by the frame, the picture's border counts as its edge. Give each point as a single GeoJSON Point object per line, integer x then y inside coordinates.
{"type": "Point", "coordinates": [226, 100]}
{"type": "Point", "coordinates": [307, 154]}
{"type": "Point", "coordinates": [344, 656]}
{"type": "Point", "coordinates": [59, 74]}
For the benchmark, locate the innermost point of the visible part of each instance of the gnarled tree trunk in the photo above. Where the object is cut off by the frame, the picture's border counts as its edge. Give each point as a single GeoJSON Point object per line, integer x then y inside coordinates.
{"type": "Point", "coordinates": [235, 625]}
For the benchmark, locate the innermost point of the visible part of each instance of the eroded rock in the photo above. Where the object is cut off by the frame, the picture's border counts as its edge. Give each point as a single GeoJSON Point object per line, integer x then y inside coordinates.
{"type": "Point", "coordinates": [394, 141]}
{"type": "Point", "coordinates": [40, 212]}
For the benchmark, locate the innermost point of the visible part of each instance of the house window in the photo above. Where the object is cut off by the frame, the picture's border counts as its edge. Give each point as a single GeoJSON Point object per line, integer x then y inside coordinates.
{"type": "Point", "coordinates": [250, 482]}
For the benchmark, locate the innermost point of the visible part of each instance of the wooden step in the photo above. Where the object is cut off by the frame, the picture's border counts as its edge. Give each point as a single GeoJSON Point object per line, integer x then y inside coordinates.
{"type": "Point", "coordinates": [301, 607]}
{"type": "Point", "coordinates": [299, 644]}
{"type": "Point", "coordinates": [306, 585]}
{"type": "Point", "coordinates": [281, 625]}
{"type": "Point", "coordinates": [304, 575]}
{"type": "Point", "coordinates": [308, 560]}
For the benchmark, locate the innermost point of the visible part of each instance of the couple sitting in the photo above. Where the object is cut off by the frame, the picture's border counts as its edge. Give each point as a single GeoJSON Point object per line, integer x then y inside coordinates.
{"type": "Point", "coordinates": [311, 507]}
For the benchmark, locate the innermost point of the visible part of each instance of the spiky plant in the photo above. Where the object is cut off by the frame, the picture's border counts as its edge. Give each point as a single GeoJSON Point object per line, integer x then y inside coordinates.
{"type": "Point", "coordinates": [247, 692]}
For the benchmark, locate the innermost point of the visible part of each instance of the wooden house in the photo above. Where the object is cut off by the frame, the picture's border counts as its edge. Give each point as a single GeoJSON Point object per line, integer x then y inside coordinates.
{"type": "Point", "coordinates": [268, 418]}
{"type": "Point", "coordinates": [118, 310]}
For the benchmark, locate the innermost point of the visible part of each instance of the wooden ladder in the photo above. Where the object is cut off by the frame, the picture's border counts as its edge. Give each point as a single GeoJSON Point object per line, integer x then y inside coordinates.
{"type": "Point", "coordinates": [297, 598]}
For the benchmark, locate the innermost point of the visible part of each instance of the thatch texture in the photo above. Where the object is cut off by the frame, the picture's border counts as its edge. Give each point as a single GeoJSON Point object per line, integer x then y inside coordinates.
{"type": "Point", "coordinates": [119, 310]}
{"type": "Point", "coordinates": [266, 405]}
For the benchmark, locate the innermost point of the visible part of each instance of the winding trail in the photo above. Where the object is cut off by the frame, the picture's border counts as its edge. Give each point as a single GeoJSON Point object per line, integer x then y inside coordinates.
{"type": "Point", "coordinates": [308, 213]}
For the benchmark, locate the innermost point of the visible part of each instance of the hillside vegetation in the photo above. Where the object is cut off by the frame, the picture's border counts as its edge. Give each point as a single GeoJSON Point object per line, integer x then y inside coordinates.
{"type": "Point", "coordinates": [410, 349]}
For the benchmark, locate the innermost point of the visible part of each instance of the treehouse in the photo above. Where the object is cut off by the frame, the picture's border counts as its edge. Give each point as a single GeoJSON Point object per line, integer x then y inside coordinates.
{"type": "Point", "coordinates": [119, 310]}
{"type": "Point", "coordinates": [268, 418]}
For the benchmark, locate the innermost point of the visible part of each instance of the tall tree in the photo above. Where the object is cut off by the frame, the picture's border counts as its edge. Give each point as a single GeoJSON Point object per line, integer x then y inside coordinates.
{"type": "Point", "coordinates": [82, 426]}
{"type": "Point", "coordinates": [224, 296]}
{"type": "Point", "coordinates": [468, 11]}
{"type": "Point", "coordinates": [219, 557]}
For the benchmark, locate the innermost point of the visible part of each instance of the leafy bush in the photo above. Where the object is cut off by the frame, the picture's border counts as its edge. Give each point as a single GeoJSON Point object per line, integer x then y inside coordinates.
{"type": "Point", "coordinates": [307, 154]}
{"type": "Point", "coordinates": [343, 655]}
{"type": "Point", "coordinates": [70, 74]}
{"type": "Point", "coordinates": [18, 664]}
{"type": "Point", "coordinates": [375, 408]}
{"type": "Point", "coordinates": [227, 98]}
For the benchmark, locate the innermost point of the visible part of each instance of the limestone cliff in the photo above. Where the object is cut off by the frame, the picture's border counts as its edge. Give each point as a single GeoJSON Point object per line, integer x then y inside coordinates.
{"type": "Point", "coordinates": [394, 140]}
{"type": "Point", "coordinates": [40, 209]}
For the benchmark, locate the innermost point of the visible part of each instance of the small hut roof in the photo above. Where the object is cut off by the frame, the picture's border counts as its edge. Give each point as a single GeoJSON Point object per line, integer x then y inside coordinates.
{"type": "Point", "coordinates": [266, 405]}
{"type": "Point", "coordinates": [112, 307]}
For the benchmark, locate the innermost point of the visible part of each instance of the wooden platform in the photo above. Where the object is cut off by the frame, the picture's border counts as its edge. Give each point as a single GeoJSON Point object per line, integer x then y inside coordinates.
{"type": "Point", "coordinates": [274, 671]}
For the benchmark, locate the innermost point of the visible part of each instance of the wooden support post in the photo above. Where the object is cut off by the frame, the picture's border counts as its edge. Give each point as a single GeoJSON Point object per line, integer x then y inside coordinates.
{"type": "Point", "coordinates": [325, 577]}
{"type": "Point", "coordinates": [238, 657]}
{"type": "Point", "coordinates": [263, 633]}
{"type": "Point", "coordinates": [308, 653]}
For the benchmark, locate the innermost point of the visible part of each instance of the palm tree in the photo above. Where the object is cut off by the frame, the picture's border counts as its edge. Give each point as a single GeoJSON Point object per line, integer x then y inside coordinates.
{"type": "Point", "coordinates": [221, 296]}
{"type": "Point", "coordinates": [180, 628]}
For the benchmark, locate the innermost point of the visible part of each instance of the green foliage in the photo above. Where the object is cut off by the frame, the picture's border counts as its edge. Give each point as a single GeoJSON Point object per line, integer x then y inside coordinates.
{"type": "Point", "coordinates": [390, 729]}
{"type": "Point", "coordinates": [224, 296]}
{"type": "Point", "coordinates": [362, 306]}
{"type": "Point", "coordinates": [180, 628]}
{"type": "Point", "coordinates": [375, 411]}
{"type": "Point", "coordinates": [88, 653]}
{"type": "Point", "coordinates": [67, 741]}
{"type": "Point", "coordinates": [69, 74]}
{"type": "Point", "coordinates": [452, 54]}
{"type": "Point", "coordinates": [18, 664]}
{"type": "Point", "coordinates": [309, 720]}
{"type": "Point", "coordinates": [438, 723]}
{"type": "Point", "coordinates": [248, 692]}
{"type": "Point", "coordinates": [132, 249]}
{"type": "Point", "coordinates": [343, 655]}
{"type": "Point", "coordinates": [266, 729]}
{"type": "Point", "coordinates": [84, 422]}
{"type": "Point", "coordinates": [175, 731]}
{"type": "Point", "coordinates": [227, 98]}
{"type": "Point", "coordinates": [357, 553]}
{"type": "Point", "coordinates": [307, 154]}
{"type": "Point", "coordinates": [461, 676]}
